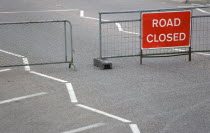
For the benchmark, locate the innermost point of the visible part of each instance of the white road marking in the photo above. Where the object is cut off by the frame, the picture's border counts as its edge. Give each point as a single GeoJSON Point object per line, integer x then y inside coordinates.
{"type": "Point", "coordinates": [202, 10]}
{"type": "Point", "coordinates": [27, 67]}
{"type": "Point", "coordinates": [85, 128]}
{"type": "Point", "coordinates": [81, 13]}
{"type": "Point", "coordinates": [91, 18]}
{"type": "Point", "coordinates": [17, 55]}
{"type": "Point", "coordinates": [21, 98]}
{"type": "Point", "coordinates": [103, 113]}
{"type": "Point", "coordinates": [196, 8]}
{"type": "Point", "coordinates": [16, 12]}
{"type": "Point", "coordinates": [5, 70]}
{"type": "Point", "coordinates": [119, 26]}
{"type": "Point", "coordinates": [49, 77]}
{"type": "Point", "coordinates": [129, 32]}
{"type": "Point", "coordinates": [71, 93]}
{"type": "Point", "coordinates": [203, 54]}
{"type": "Point", "coordinates": [181, 50]}
{"type": "Point", "coordinates": [134, 128]}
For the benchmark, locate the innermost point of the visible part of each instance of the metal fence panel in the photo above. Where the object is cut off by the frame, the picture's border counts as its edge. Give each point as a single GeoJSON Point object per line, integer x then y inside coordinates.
{"type": "Point", "coordinates": [200, 33]}
{"type": "Point", "coordinates": [120, 37]}
{"type": "Point", "coordinates": [40, 42]}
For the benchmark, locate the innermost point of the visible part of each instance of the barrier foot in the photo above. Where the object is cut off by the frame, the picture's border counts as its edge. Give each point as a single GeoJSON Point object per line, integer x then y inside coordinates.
{"type": "Point", "coordinates": [102, 63]}
{"type": "Point", "coordinates": [71, 65]}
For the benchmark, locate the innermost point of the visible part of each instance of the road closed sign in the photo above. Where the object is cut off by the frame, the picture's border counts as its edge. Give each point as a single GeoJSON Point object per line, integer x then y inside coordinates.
{"type": "Point", "coordinates": [166, 29]}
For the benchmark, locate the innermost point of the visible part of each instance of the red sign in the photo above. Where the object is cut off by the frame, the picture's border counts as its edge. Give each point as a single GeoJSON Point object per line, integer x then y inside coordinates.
{"type": "Point", "coordinates": [166, 29]}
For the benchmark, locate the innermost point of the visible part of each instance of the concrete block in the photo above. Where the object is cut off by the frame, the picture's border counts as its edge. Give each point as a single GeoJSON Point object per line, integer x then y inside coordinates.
{"type": "Point", "coordinates": [102, 63]}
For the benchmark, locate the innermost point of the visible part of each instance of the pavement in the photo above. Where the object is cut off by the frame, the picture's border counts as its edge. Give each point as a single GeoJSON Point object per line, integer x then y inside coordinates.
{"type": "Point", "coordinates": [164, 95]}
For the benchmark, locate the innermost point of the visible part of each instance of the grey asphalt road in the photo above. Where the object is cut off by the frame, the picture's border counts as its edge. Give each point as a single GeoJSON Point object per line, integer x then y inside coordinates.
{"type": "Point", "coordinates": [164, 95]}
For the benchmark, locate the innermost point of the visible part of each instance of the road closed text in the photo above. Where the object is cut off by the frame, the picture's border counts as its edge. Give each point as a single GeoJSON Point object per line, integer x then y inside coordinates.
{"type": "Point", "coordinates": [168, 29]}
{"type": "Point", "coordinates": [166, 37]}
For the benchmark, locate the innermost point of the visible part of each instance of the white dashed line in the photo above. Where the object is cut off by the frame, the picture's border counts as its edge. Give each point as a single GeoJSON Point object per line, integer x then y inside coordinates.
{"type": "Point", "coordinates": [71, 93]}
{"type": "Point", "coordinates": [49, 77]}
{"type": "Point", "coordinates": [5, 70]}
{"type": "Point", "coordinates": [17, 55]}
{"type": "Point", "coordinates": [134, 128]}
{"type": "Point", "coordinates": [103, 113]}
{"type": "Point", "coordinates": [16, 12]}
{"type": "Point", "coordinates": [21, 98]}
{"type": "Point", "coordinates": [85, 128]}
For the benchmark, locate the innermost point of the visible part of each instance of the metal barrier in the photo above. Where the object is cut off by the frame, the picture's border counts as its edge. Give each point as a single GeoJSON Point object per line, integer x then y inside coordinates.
{"type": "Point", "coordinates": [36, 43]}
{"type": "Point", "coordinates": [119, 35]}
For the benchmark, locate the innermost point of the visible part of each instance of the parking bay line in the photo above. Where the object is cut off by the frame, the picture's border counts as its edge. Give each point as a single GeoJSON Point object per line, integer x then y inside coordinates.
{"type": "Point", "coordinates": [4, 70]}
{"type": "Point", "coordinates": [85, 128]}
{"type": "Point", "coordinates": [71, 93]}
{"type": "Point", "coordinates": [22, 98]}
{"type": "Point", "coordinates": [103, 113]}
{"type": "Point", "coordinates": [41, 11]}
{"type": "Point", "coordinates": [27, 67]}
{"type": "Point", "coordinates": [134, 128]}
{"type": "Point", "coordinates": [49, 77]}
{"type": "Point", "coordinates": [10, 53]}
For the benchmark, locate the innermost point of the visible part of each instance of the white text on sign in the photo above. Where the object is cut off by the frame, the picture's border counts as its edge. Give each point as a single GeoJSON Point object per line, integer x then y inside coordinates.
{"type": "Point", "coordinates": [166, 37]}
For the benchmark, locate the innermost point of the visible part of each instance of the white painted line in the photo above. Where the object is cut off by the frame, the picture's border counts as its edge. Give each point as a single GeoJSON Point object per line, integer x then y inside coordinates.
{"type": "Point", "coordinates": [131, 32]}
{"type": "Point", "coordinates": [11, 53]}
{"type": "Point", "coordinates": [16, 12]}
{"type": "Point", "coordinates": [27, 68]}
{"type": "Point", "coordinates": [82, 13]}
{"type": "Point", "coordinates": [119, 26]}
{"type": "Point", "coordinates": [71, 93]}
{"type": "Point", "coordinates": [49, 77]}
{"type": "Point", "coordinates": [21, 98]}
{"type": "Point", "coordinates": [202, 10]}
{"type": "Point", "coordinates": [5, 70]}
{"type": "Point", "coordinates": [181, 50]}
{"type": "Point", "coordinates": [85, 128]}
{"type": "Point", "coordinates": [91, 18]}
{"type": "Point", "coordinates": [203, 54]}
{"type": "Point", "coordinates": [194, 53]}
{"type": "Point", "coordinates": [134, 128]}
{"type": "Point", "coordinates": [195, 4]}
{"type": "Point", "coordinates": [25, 61]}
{"type": "Point", "coordinates": [103, 113]}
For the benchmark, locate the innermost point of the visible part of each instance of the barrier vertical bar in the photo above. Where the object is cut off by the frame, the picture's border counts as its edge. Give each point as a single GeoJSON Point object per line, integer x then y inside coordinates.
{"type": "Point", "coordinates": [100, 37]}
{"type": "Point", "coordinates": [140, 37]}
{"type": "Point", "coordinates": [190, 48]}
{"type": "Point", "coordinates": [190, 53]}
{"type": "Point", "coordinates": [72, 49]}
{"type": "Point", "coordinates": [65, 41]}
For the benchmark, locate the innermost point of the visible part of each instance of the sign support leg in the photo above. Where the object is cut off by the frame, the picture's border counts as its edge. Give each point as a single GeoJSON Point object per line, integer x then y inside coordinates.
{"type": "Point", "coordinates": [190, 53]}
{"type": "Point", "coordinates": [141, 57]}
